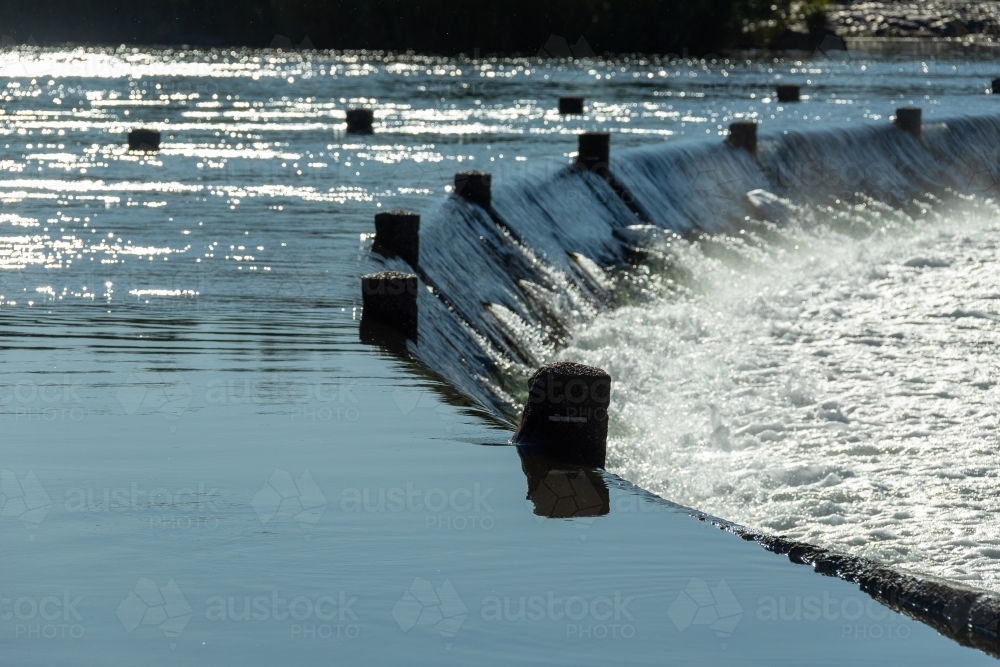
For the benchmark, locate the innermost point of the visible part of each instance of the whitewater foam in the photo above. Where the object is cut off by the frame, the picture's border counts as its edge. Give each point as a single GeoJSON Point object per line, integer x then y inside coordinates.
{"type": "Point", "coordinates": [840, 391]}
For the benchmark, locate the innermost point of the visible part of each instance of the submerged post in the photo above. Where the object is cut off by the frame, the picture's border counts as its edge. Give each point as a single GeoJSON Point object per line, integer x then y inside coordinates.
{"type": "Point", "coordinates": [474, 186]}
{"type": "Point", "coordinates": [594, 150]}
{"type": "Point", "coordinates": [359, 121]}
{"type": "Point", "coordinates": [908, 118]}
{"type": "Point", "coordinates": [743, 134]}
{"type": "Point", "coordinates": [788, 93]}
{"type": "Point", "coordinates": [571, 105]}
{"type": "Point", "coordinates": [398, 233]}
{"type": "Point", "coordinates": [566, 416]}
{"type": "Point", "coordinates": [390, 299]}
{"type": "Point", "coordinates": [144, 140]}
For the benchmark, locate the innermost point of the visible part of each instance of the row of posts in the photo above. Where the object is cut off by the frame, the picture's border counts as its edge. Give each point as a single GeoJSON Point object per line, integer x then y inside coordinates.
{"type": "Point", "coordinates": [565, 417]}
{"type": "Point", "coordinates": [361, 120]}
{"type": "Point", "coordinates": [397, 232]}
{"type": "Point", "coordinates": [564, 431]}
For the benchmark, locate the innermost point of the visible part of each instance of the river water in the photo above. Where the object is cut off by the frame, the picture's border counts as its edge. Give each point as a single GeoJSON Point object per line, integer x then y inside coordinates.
{"type": "Point", "coordinates": [191, 424]}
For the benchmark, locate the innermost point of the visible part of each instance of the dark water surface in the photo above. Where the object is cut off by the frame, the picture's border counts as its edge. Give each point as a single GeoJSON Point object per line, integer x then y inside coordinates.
{"type": "Point", "coordinates": [202, 464]}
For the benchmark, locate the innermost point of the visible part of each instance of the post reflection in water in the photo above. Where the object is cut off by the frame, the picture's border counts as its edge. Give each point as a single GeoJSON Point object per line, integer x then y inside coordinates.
{"type": "Point", "coordinates": [383, 337]}
{"type": "Point", "coordinates": [564, 491]}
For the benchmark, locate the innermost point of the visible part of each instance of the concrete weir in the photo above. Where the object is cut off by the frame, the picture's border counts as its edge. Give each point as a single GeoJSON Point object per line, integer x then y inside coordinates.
{"type": "Point", "coordinates": [562, 433]}
{"type": "Point", "coordinates": [566, 416]}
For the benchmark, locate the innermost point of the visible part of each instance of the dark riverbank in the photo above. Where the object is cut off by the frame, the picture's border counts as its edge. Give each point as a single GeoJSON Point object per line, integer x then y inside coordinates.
{"type": "Point", "coordinates": [556, 28]}
{"type": "Point", "coordinates": [432, 26]}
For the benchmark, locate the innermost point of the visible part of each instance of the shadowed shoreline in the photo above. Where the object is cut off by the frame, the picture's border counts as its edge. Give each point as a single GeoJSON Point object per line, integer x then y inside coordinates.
{"type": "Point", "coordinates": [490, 27]}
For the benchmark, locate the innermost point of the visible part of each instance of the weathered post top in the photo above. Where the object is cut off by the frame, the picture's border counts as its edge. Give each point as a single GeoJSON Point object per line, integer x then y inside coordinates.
{"type": "Point", "coordinates": [743, 134]}
{"type": "Point", "coordinates": [788, 93]}
{"type": "Point", "coordinates": [142, 139]}
{"type": "Point", "coordinates": [474, 186]}
{"type": "Point", "coordinates": [359, 121]}
{"type": "Point", "coordinates": [397, 233]}
{"type": "Point", "coordinates": [571, 105]}
{"type": "Point", "coordinates": [566, 416]}
{"type": "Point", "coordinates": [909, 119]}
{"type": "Point", "coordinates": [594, 150]}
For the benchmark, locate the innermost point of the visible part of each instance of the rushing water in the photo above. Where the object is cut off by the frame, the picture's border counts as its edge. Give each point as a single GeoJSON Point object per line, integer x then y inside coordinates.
{"type": "Point", "coordinates": [841, 392]}
{"type": "Point", "coordinates": [807, 361]}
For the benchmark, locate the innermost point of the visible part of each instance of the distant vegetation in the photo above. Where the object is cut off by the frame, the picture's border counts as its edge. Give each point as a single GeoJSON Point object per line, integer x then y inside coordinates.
{"type": "Point", "coordinates": [444, 27]}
